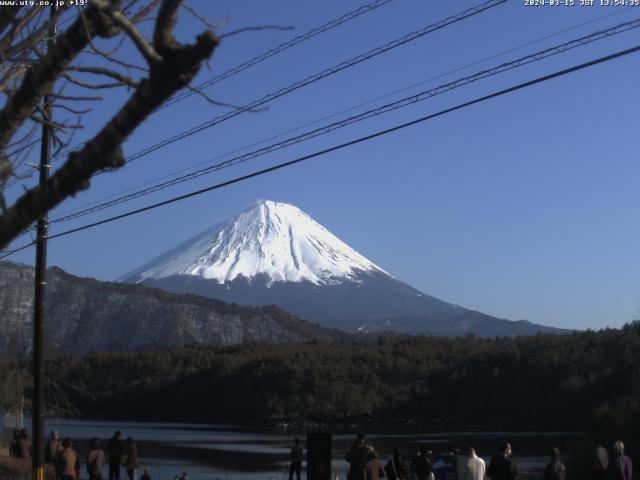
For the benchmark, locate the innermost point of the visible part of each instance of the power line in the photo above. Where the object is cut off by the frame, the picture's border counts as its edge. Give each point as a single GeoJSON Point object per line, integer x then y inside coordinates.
{"type": "Point", "coordinates": [16, 250]}
{"type": "Point", "coordinates": [319, 153]}
{"type": "Point", "coordinates": [356, 141]}
{"type": "Point", "coordinates": [280, 48]}
{"type": "Point", "coordinates": [315, 78]}
{"type": "Point", "coordinates": [314, 122]}
{"type": "Point", "coordinates": [331, 24]}
{"type": "Point", "coordinates": [318, 76]}
{"type": "Point", "coordinates": [410, 100]}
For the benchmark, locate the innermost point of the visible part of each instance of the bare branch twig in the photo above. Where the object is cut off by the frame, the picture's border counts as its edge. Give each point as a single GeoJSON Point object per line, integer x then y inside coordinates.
{"type": "Point", "coordinates": [37, 82]}
{"type": "Point", "coordinates": [177, 67]}
{"type": "Point", "coordinates": [77, 98]}
{"type": "Point", "coordinates": [218, 103]}
{"type": "Point", "coordinates": [253, 29]}
{"type": "Point", "coordinates": [72, 110]}
{"type": "Point", "coordinates": [196, 15]}
{"type": "Point", "coordinates": [107, 73]}
{"type": "Point", "coordinates": [94, 86]}
{"type": "Point", "coordinates": [145, 48]}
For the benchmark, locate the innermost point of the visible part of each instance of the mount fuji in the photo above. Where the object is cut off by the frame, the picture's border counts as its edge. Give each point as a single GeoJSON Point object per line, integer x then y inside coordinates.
{"type": "Point", "coordinates": [274, 253]}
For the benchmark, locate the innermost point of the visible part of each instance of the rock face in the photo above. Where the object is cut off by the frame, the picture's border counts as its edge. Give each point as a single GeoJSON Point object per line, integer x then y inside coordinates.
{"type": "Point", "coordinates": [86, 315]}
{"type": "Point", "coordinates": [274, 253]}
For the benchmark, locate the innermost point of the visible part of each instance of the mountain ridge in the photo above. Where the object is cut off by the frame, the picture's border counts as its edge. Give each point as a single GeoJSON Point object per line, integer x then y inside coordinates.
{"type": "Point", "coordinates": [86, 315]}
{"type": "Point", "coordinates": [273, 253]}
{"type": "Point", "coordinates": [363, 308]}
{"type": "Point", "coordinates": [272, 238]}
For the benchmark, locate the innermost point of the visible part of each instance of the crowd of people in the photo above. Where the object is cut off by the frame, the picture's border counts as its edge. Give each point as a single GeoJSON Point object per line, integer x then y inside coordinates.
{"type": "Point", "coordinates": [364, 464]}
{"type": "Point", "coordinates": [364, 461]}
{"type": "Point", "coordinates": [60, 454]}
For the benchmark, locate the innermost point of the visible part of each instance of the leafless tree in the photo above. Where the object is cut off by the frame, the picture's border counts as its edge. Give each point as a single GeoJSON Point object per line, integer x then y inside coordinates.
{"type": "Point", "coordinates": [84, 61]}
{"type": "Point", "coordinates": [15, 394]}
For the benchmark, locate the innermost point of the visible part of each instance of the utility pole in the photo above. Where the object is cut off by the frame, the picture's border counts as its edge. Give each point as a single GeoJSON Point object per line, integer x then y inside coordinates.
{"type": "Point", "coordinates": [41, 281]}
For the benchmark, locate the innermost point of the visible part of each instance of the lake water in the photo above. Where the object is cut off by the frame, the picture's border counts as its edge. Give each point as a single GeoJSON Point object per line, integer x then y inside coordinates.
{"type": "Point", "coordinates": [210, 452]}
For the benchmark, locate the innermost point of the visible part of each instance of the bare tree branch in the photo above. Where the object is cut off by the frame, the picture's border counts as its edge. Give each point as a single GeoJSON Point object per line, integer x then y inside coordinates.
{"type": "Point", "coordinates": [218, 103]}
{"type": "Point", "coordinates": [144, 11]}
{"type": "Point", "coordinates": [163, 40]}
{"type": "Point", "coordinates": [73, 110]}
{"type": "Point", "coordinates": [197, 15]}
{"type": "Point", "coordinates": [96, 86]}
{"type": "Point", "coordinates": [25, 138]}
{"type": "Point", "coordinates": [129, 28]}
{"type": "Point", "coordinates": [177, 67]}
{"type": "Point", "coordinates": [37, 82]}
{"type": "Point", "coordinates": [30, 41]}
{"type": "Point", "coordinates": [14, 73]}
{"type": "Point", "coordinates": [18, 25]}
{"type": "Point", "coordinates": [53, 125]}
{"type": "Point", "coordinates": [253, 29]}
{"type": "Point", "coordinates": [6, 170]}
{"type": "Point", "coordinates": [77, 98]}
{"type": "Point", "coordinates": [108, 57]}
{"type": "Point", "coordinates": [8, 13]}
{"type": "Point", "coordinates": [107, 73]}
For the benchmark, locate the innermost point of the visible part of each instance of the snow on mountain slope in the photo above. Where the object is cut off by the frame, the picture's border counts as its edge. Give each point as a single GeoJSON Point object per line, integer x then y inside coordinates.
{"type": "Point", "coordinates": [274, 239]}
{"type": "Point", "coordinates": [275, 254]}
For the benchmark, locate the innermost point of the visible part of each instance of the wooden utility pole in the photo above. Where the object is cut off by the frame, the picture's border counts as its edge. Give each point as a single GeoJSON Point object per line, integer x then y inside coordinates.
{"type": "Point", "coordinates": [41, 282]}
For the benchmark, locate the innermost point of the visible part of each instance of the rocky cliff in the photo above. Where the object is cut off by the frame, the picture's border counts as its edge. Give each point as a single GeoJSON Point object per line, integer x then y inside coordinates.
{"type": "Point", "coordinates": [86, 315]}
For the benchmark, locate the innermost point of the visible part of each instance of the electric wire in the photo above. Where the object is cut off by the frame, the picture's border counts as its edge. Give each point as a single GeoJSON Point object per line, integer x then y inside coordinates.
{"type": "Point", "coordinates": [404, 102]}
{"type": "Point", "coordinates": [253, 105]}
{"type": "Point", "coordinates": [274, 51]}
{"type": "Point", "coordinates": [318, 76]}
{"type": "Point", "coordinates": [333, 115]}
{"type": "Point", "coordinates": [16, 250]}
{"type": "Point", "coordinates": [350, 143]}
{"type": "Point", "coordinates": [469, 12]}
{"type": "Point", "coordinates": [331, 24]}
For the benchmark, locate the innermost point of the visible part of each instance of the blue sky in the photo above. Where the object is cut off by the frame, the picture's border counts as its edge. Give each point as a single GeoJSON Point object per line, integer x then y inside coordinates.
{"type": "Point", "coordinates": [525, 206]}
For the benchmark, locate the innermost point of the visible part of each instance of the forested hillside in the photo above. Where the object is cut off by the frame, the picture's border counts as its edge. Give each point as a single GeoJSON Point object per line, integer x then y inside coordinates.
{"type": "Point", "coordinates": [575, 381]}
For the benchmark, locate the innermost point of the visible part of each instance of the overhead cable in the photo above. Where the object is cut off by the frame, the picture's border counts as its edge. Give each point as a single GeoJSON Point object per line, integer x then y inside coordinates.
{"type": "Point", "coordinates": [350, 143]}
{"type": "Point", "coordinates": [331, 24]}
{"type": "Point", "coordinates": [404, 102]}
{"type": "Point", "coordinates": [346, 110]}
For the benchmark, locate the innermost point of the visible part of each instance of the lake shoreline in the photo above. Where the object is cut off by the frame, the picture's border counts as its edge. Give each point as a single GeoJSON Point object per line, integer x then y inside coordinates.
{"type": "Point", "coordinates": [353, 424]}
{"type": "Point", "coordinates": [251, 452]}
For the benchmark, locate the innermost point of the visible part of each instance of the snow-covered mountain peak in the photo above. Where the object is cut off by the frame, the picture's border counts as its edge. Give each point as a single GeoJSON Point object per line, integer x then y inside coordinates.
{"type": "Point", "coordinates": [271, 238]}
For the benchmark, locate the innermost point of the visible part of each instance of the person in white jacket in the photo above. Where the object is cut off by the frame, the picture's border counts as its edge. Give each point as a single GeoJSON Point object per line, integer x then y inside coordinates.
{"type": "Point", "coordinates": [475, 467]}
